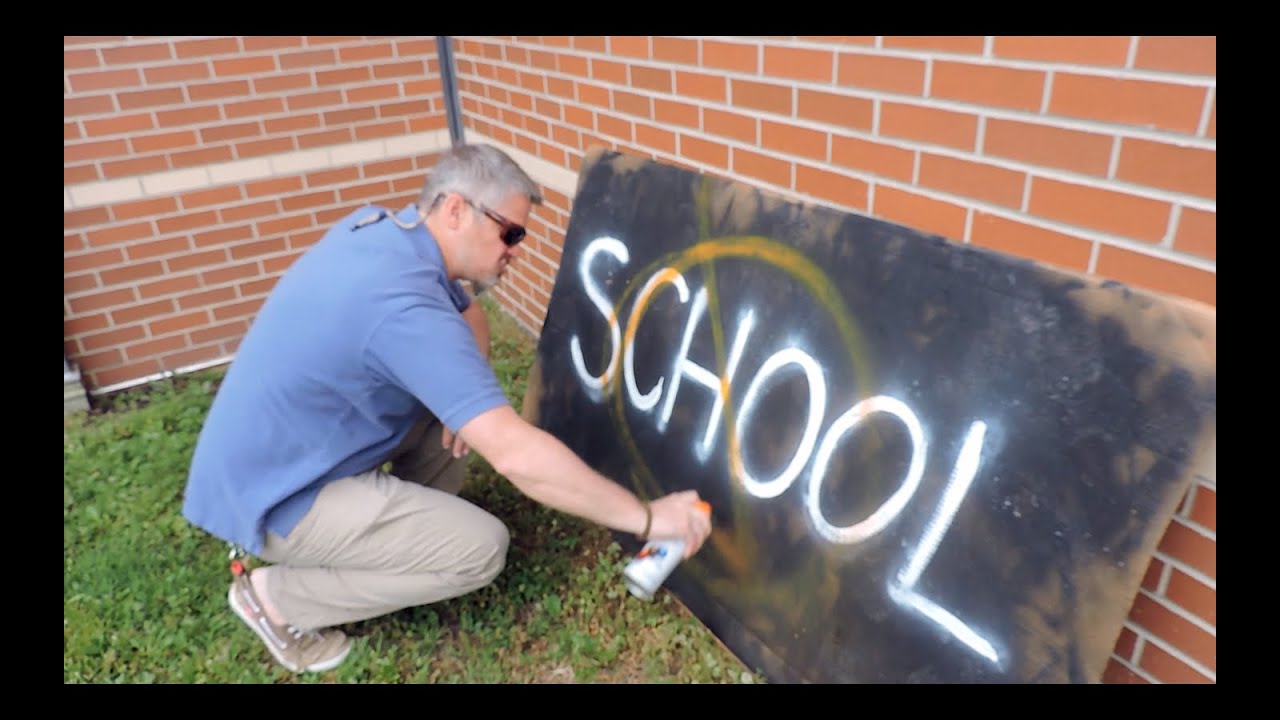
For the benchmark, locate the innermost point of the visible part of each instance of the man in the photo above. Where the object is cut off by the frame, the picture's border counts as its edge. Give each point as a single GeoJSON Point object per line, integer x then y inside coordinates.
{"type": "Point", "coordinates": [370, 350]}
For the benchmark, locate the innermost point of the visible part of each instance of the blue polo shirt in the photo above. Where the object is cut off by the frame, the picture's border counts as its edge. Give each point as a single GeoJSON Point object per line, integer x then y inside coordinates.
{"type": "Point", "coordinates": [360, 337]}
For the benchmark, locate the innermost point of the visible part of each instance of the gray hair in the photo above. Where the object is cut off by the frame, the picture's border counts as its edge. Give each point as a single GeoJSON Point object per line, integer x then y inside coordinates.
{"type": "Point", "coordinates": [481, 173]}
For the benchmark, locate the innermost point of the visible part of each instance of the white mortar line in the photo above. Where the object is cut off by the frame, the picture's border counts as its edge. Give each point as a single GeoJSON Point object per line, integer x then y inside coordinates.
{"type": "Point", "coordinates": [163, 184]}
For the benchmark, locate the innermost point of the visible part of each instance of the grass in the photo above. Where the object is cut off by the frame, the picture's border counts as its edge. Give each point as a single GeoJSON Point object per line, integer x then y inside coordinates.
{"type": "Point", "coordinates": [144, 593]}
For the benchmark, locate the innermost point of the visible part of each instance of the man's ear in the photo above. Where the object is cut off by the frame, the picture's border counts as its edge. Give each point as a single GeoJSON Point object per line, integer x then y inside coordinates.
{"type": "Point", "coordinates": [453, 206]}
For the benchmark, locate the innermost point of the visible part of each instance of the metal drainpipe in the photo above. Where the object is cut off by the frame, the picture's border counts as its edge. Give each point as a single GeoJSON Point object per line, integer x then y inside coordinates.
{"type": "Point", "coordinates": [453, 108]}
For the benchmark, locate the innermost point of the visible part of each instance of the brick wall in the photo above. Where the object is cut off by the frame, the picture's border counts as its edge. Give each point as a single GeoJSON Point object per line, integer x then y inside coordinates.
{"type": "Point", "coordinates": [196, 170]}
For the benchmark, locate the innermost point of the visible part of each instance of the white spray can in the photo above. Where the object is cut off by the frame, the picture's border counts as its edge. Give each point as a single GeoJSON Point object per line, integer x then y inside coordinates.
{"type": "Point", "coordinates": [650, 567]}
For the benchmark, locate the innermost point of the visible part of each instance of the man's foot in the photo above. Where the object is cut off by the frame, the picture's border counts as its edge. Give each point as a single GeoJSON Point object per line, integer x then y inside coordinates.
{"type": "Point", "coordinates": [298, 650]}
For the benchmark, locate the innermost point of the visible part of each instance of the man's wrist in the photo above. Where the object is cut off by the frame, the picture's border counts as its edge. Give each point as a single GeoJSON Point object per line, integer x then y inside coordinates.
{"type": "Point", "coordinates": [648, 520]}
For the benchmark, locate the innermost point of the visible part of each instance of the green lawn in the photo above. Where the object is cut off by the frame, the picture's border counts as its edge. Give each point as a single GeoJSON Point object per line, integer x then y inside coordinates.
{"type": "Point", "coordinates": [144, 593]}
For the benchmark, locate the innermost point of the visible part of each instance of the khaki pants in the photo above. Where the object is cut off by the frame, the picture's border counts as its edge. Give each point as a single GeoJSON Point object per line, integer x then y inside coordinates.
{"type": "Point", "coordinates": [375, 543]}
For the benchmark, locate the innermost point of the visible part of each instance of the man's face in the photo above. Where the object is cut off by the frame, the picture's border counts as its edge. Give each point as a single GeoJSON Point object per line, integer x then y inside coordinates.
{"type": "Point", "coordinates": [486, 253]}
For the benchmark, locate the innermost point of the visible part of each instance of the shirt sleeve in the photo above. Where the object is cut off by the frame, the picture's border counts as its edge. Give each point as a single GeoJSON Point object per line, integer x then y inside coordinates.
{"type": "Point", "coordinates": [428, 350]}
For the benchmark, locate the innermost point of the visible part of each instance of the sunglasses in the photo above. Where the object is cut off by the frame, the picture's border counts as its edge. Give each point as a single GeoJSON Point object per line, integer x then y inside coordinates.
{"type": "Point", "coordinates": [512, 233]}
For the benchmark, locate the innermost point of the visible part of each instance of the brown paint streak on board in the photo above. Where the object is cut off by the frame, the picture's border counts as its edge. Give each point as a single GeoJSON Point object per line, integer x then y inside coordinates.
{"type": "Point", "coordinates": [1094, 620]}
{"type": "Point", "coordinates": [1181, 334]}
{"type": "Point", "coordinates": [1181, 330]}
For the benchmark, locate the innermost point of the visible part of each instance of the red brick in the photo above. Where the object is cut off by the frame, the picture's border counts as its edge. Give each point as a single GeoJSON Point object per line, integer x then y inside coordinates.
{"type": "Point", "coordinates": [204, 48]}
{"type": "Point", "coordinates": [1193, 596]}
{"type": "Point", "coordinates": [88, 105]}
{"type": "Point", "coordinates": [237, 310]}
{"type": "Point", "coordinates": [1071, 49]}
{"type": "Point", "coordinates": [919, 212]}
{"type": "Point", "coordinates": [1107, 210]}
{"type": "Point", "coordinates": [191, 357]}
{"type": "Point", "coordinates": [187, 221]}
{"type": "Point", "coordinates": [141, 312]}
{"type": "Point", "coordinates": [206, 298]}
{"type": "Point", "coordinates": [954, 43]}
{"type": "Point", "coordinates": [1117, 674]}
{"type": "Point", "coordinates": [176, 73]}
{"type": "Point", "coordinates": [798, 63]}
{"type": "Point", "coordinates": [1155, 572]}
{"type": "Point", "coordinates": [886, 160]}
{"type": "Point", "coordinates": [1204, 508]}
{"type": "Point", "coordinates": [104, 80]}
{"type": "Point", "coordinates": [1074, 150]}
{"type": "Point", "coordinates": [144, 208]}
{"type": "Point", "coordinates": [1144, 103]}
{"type": "Point", "coordinates": [135, 166]}
{"type": "Point", "coordinates": [112, 338]}
{"type": "Point", "coordinates": [1168, 166]}
{"type": "Point", "coordinates": [227, 274]}
{"type": "Point", "coordinates": [1191, 547]}
{"type": "Point", "coordinates": [1015, 88]}
{"type": "Point", "coordinates": [1160, 275]}
{"type": "Point", "coordinates": [119, 124]}
{"type": "Point", "coordinates": [168, 286]}
{"type": "Point", "coordinates": [711, 153]}
{"type": "Point", "coordinates": [84, 324]}
{"type": "Point", "coordinates": [1191, 55]}
{"type": "Point", "coordinates": [91, 260]}
{"type": "Point", "coordinates": [1172, 628]}
{"type": "Point", "coordinates": [833, 109]}
{"type": "Point", "coordinates": [794, 140]}
{"type": "Point", "coordinates": [176, 323]}
{"type": "Point", "coordinates": [1126, 643]}
{"type": "Point", "coordinates": [876, 72]}
{"type": "Point", "coordinates": [1028, 241]}
{"type": "Point", "coordinates": [84, 218]}
{"type": "Point", "coordinates": [79, 283]}
{"type": "Point", "coordinates": [930, 125]}
{"type": "Point", "coordinates": [730, 56]}
{"type": "Point", "coordinates": [122, 373]}
{"type": "Point", "coordinates": [194, 260]}
{"type": "Point", "coordinates": [1168, 669]}
{"type": "Point", "coordinates": [647, 78]}
{"type": "Point", "coordinates": [233, 329]}
{"type": "Point", "coordinates": [841, 189]}
{"type": "Point", "coordinates": [130, 273]}
{"type": "Point", "coordinates": [701, 85]}
{"type": "Point", "coordinates": [675, 50]}
{"type": "Point", "coordinates": [769, 97]}
{"type": "Point", "coordinates": [155, 347]}
{"type": "Point", "coordinates": [976, 180]}
{"type": "Point", "coordinates": [762, 167]}
{"type": "Point", "coordinates": [1197, 233]}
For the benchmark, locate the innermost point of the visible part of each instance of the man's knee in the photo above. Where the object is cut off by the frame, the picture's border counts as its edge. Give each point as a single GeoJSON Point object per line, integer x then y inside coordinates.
{"type": "Point", "coordinates": [478, 562]}
{"type": "Point", "coordinates": [492, 555]}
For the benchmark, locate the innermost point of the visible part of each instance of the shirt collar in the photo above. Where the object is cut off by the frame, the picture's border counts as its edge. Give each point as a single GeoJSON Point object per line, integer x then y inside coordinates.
{"type": "Point", "coordinates": [424, 243]}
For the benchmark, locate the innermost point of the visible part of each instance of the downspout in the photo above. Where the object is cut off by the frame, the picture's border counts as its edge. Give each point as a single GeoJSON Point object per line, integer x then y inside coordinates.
{"type": "Point", "coordinates": [449, 80]}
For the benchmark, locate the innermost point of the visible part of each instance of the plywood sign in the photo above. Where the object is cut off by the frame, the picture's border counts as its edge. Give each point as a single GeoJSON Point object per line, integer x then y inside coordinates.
{"type": "Point", "coordinates": [929, 462]}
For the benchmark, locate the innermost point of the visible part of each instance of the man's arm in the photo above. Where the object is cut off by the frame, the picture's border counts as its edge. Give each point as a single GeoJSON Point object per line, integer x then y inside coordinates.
{"type": "Point", "coordinates": [548, 472]}
{"type": "Point", "coordinates": [479, 322]}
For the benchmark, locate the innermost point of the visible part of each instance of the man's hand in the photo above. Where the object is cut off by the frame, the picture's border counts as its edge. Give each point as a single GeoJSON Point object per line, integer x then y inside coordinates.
{"type": "Point", "coordinates": [678, 516]}
{"type": "Point", "coordinates": [447, 438]}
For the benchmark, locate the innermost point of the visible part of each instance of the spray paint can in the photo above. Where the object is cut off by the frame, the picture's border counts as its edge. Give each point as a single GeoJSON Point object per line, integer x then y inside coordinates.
{"type": "Point", "coordinates": [650, 567]}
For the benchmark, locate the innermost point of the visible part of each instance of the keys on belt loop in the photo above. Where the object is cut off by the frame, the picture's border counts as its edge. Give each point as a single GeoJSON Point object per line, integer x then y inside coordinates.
{"type": "Point", "coordinates": [236, 557]}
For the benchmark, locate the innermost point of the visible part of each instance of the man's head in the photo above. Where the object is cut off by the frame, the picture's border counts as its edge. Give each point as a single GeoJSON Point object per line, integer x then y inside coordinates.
{"type": "Point", "coordinates": [477, 201]}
